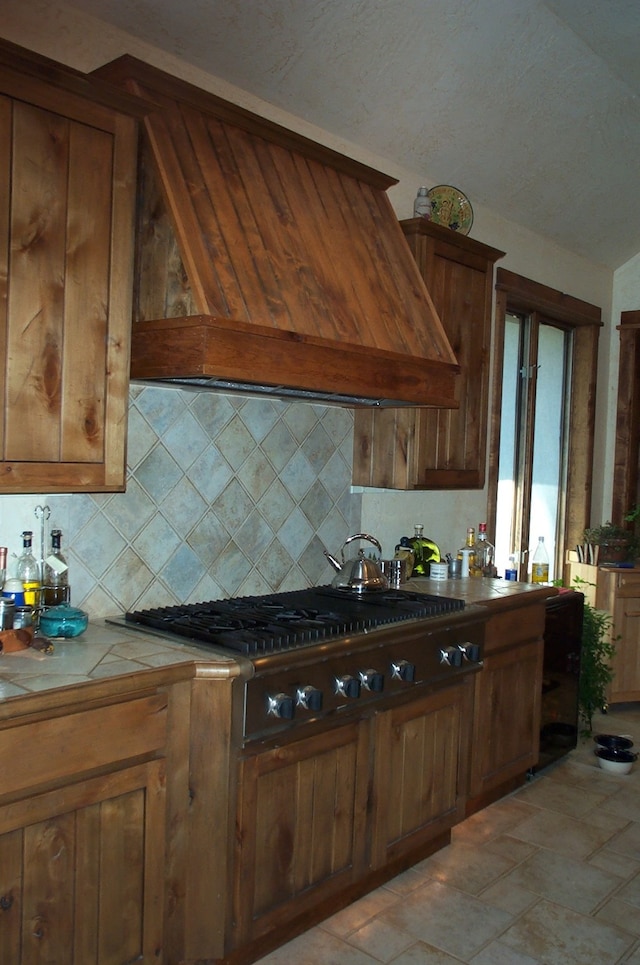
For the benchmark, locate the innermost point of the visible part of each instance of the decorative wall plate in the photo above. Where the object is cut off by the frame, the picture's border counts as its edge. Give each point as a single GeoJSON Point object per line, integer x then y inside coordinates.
{"type": "Point", "coordinates": [451, 208]}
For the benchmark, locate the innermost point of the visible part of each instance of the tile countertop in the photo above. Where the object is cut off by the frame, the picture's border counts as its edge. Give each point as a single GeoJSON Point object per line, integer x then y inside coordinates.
{"type": "Point", "coordinates": [106, 652]}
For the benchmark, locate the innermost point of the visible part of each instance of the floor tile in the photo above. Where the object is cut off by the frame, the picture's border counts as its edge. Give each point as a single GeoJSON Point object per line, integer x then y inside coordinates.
{"type": "Point", "coordinates": [559, 936]}
{"type": "Point", "coordinates": [563, 880]}
{"type": "Point", "coordinates": [442, 926]}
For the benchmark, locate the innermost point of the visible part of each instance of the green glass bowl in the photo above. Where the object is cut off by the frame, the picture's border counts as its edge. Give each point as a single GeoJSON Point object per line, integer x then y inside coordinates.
{"type": "Point", "coordinates": [63, 621]}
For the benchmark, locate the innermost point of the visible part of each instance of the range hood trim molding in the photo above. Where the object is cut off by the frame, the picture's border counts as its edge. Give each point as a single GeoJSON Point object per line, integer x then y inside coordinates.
{"type": "Point", "coordinates": [209, 350]}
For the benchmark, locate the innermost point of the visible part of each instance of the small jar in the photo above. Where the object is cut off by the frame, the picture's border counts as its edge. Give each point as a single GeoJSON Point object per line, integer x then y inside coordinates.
{"type": "Point", "coordinates": [7, 608]}
{"type": "Point", "coordinates": [22, 617]}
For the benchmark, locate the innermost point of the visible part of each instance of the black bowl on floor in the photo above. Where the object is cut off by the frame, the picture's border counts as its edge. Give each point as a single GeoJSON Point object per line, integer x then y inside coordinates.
{"type": "Point", "coordinates": [613, 742]}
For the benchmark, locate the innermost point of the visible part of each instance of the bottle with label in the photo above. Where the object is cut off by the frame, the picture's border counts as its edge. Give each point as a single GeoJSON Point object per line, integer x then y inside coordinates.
{"type": "Point", "coordinates": [425, 551]}
{"type": "Point", "coordinates": [483, 553]}
{"type": "Point", "coordinates": [56, 573]}
{"type": "Point", "coordinates": [540, 563]}
{"type": "Point", "coordinates": [511, 573]}
{"type": "Point", "coordinates": [468, 548]}
{"type": "Point", "coordinates": [28, 571]}
{"type": "Point", "coordinates": [422, 204]}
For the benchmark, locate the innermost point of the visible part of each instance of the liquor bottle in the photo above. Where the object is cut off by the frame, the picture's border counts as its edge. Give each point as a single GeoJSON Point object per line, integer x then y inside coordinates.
{"type": "Point", "coordinates": [469, 546]}
{"type": "Point", "coordinates": [422, 205]}
{"type": "Point", "coordinates": [56, 573]}
{"type": "Point", "coordinates": [28, 571]}
{"type": "Point", "coordinates": [3, 565]}
{"type": "Point", "coordinates": [425, 551]}
{"type": "Point", "coordinates": [540, 563]}
{"type": "Point", "coordinates": [483, 553]}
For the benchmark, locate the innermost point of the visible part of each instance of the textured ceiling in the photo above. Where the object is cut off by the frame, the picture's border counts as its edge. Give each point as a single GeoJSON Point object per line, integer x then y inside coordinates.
{"type": "Point", "coordinates": [529, 107]}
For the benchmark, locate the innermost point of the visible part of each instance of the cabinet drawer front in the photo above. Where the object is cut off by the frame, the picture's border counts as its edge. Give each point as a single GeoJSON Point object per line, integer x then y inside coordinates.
{"type": "Point", "coordinates": [515, 626]}
{"type": "Point", "coordinates": [629, 584]}
{"type": "Point", "coordinates": [38, 752]}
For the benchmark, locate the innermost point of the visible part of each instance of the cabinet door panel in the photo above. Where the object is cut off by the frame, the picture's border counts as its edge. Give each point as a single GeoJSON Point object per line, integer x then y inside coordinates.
{"type": "Point", "coordinates": [300, 838]}
{"type": "Point", "coordinates": [507, 716]}
{"type": "Point", "coordinates": [83, 880]}
{"type": "Point", "coordinates": [67, 193]}
{"type": "Point", "coordinates": [420, 771]}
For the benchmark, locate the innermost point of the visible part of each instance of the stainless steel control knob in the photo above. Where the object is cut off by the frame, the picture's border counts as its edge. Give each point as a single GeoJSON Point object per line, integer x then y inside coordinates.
{"type": "Point", "coordinates": [470, 651]}
{"type": "Point", "coordinates": [451, 656]}
{"type": "Point", "coordinates": [372, 680]}
{"type": "Point", "coordinates": [347, 686]}
{"type": "Point", "coordinates": [309, 697]}
{"type": "Point", "coordinates": [403, 670]}
{"type": "Point", "coordinates": [281, 705]}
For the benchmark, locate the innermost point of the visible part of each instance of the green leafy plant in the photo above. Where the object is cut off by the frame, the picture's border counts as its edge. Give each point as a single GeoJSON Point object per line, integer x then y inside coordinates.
{"type": "Point", "coordinates": [616, 543]}
{"type": "Point", "coordinates": [596, 672]}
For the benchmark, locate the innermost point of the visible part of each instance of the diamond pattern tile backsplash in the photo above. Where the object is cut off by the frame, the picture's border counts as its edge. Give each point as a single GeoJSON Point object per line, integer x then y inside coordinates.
{"type": "Point", "coordinates": [226, 495]}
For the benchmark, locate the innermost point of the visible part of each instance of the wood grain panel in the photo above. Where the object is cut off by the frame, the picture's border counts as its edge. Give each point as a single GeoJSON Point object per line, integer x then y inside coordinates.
{"type": "Point", "coordinates": [35, 753]}
{"type": "Point", "coordinates": [11, 850]}
{"type": "Point", "coordinates": [36, 285]}
{"type": "Point", "coordinates": [276, 232]}
{"type": "Point", "coordinates": [6, 116]}
{"type": "Point", "coordinates": [86, 295]}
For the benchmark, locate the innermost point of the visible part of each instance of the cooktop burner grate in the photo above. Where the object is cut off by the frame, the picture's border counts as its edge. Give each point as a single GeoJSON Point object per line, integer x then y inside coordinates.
{"type": "Point", "coordinates": [256, 625]}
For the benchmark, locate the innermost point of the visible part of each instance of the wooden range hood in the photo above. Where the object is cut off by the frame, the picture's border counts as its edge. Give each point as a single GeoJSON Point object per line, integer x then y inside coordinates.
{"type": "Point", "coordinates": [269, 263]}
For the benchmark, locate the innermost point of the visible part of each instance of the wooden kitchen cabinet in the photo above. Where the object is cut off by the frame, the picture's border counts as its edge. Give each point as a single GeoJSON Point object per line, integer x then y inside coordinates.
{"type": "Point", "coordinates": [616, 590]}
{"type": "Point", "coordinates": [507, 707]}
{"type": "Point", "coordinates": [68, 150]}
{"type": "Point", "coordinates": [432, 448]}
{"type": "Point", "coordinates": [420, 779]}
{"type": "Point", "coordinates": [82, 834]}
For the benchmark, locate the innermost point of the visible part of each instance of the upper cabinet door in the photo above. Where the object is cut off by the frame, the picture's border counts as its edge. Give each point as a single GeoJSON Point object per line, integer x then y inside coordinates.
{"type": "Point", "coordinates": [433, 448]}
{"type": "Point", "coordinates": [67, 194]}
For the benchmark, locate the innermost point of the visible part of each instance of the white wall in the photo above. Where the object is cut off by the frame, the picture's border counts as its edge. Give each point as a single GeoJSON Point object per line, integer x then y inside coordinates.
{"type": "Point", "coordinates": [60, 32]}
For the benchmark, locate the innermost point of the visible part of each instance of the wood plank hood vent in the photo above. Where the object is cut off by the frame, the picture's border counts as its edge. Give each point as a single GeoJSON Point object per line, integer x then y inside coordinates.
{"type": "Point", "coordinates": [267, 262]}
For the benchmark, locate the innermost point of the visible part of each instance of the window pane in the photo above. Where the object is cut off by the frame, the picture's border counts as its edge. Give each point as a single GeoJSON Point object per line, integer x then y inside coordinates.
{"type": "Point", "coordinates": [548, 445]}
{"type": "Point", "coordinates": [504, 536]}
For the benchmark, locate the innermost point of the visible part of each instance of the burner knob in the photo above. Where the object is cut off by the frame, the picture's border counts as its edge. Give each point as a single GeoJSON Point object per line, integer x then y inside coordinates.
{"type": "Point", "coordinates": [470, 651]}
{"type": "Point", "coordinates": [347, 686]}
{"type": "Point", "coordinates": [280, 705]}
{"type": "Point", "coordinates": [403, 670]}
{"type": "Point", "coordinates": [309, 697]}
{"type": "Point", "coordinates": [451, 656]}
{"type": "Point", "coordinates": [372, 680]}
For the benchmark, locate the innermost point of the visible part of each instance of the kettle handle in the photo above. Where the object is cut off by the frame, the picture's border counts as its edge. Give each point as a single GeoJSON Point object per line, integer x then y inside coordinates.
{"type": "Point", "coordinates": [366, 536]}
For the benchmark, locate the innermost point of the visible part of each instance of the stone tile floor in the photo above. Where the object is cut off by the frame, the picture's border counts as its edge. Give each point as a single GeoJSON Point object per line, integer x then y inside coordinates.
{"type": "Point", "coordinates": [549, 875]}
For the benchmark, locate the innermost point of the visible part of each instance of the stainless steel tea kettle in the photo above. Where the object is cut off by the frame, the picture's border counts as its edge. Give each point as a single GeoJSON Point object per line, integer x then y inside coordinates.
{"type": "Point", "coordinates": [360, 574]}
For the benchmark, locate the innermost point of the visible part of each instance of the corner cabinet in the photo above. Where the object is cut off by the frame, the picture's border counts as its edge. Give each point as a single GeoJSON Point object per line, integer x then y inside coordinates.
{"type": "Point", "coordinates": [67, 194]}
{"type": "Point", "coordinates": [431, 448]}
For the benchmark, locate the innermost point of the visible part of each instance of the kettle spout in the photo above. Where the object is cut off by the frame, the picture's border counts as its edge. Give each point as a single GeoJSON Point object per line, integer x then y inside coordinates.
{"type": "Point", "coordinates": [335, 564]}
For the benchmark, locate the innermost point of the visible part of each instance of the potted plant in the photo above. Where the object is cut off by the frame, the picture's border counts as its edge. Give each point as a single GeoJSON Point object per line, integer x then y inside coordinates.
{"type": "Point", "coordinates": [596, 672]}
{"type": "Point", "coordinates": [609, 543]}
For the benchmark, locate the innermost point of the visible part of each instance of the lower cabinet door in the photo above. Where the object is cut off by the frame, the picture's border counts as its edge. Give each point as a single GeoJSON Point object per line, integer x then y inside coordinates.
{"type": "Point", "coordinates": [81, 872]}
{"type": "Point", "coordinates": [506, 733]}
{"type": "Point", "coordinates": [420, 772]}
{"type": "Point", "coordinates": [302, 814]}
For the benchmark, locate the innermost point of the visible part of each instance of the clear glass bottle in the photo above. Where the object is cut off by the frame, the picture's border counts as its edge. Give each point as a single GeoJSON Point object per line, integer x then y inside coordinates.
{"type": "Point", "coordinates": [469, 544]}
{"type": "Point", "coordinates": [56, 573]}
{"type": "Point", "coordinates": [425, 551]}
{"type": "Point", "coordinates": [422, 204]}
{"type": "Point", "coordinates": [483, 553]}
{"type": "Point", "coordinates": [28, 571]}
{"type": "Point", "coordinates": [3, 565]}
{"type": "Point", "coordinates": [540, 563]}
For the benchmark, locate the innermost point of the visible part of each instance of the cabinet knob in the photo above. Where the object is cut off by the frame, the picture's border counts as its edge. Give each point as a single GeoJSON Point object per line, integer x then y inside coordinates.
{"type": "Point", "coordinates": [470, 651]}
{"type": "Point", "coordinates": [5, 902]}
